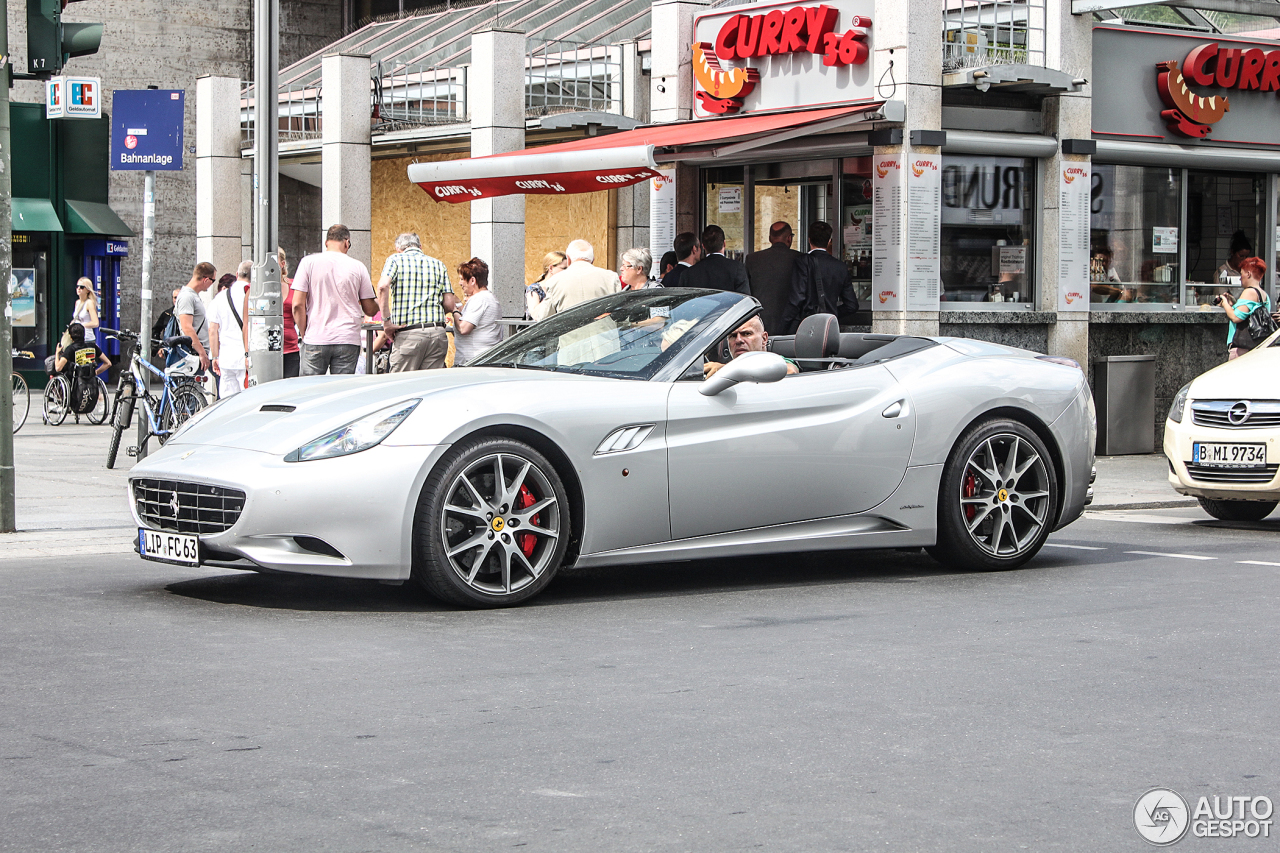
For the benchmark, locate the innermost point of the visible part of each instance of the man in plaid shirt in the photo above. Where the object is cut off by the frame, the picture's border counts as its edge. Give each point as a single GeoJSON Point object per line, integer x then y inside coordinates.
{"type": "Point", "coordinates": [411, 294]}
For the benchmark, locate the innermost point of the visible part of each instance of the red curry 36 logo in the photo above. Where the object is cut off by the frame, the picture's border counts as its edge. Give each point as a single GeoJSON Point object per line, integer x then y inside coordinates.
{"type": "Point", "coordinates": [803, 29]}
{"type": "Point", "coordinates": [1243, 69]}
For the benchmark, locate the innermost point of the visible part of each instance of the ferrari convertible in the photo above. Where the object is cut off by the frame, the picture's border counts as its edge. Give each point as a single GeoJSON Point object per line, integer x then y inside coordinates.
{"type": "Point", "coordinates": [592, 438]}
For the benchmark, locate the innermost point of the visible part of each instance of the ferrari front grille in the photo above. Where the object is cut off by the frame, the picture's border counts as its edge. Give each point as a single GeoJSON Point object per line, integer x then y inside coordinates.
{"type": "Point", "coordinates": [187, 507]}
{"type": "Point", "coordinates": [1207, 474]}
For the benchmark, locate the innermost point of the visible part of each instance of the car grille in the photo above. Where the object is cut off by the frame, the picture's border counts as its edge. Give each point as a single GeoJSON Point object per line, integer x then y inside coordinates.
{"type": "Point", "coordinates": [186, 507]}
{"type": "Point", "coordinates": [1206, 474]}
{"type": "Point", "coordinates": [1236, 414]}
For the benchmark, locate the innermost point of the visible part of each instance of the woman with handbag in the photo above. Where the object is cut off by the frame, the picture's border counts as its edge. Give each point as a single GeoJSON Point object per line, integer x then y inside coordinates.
{"type": "Point", "coordinates": [1249, 325]}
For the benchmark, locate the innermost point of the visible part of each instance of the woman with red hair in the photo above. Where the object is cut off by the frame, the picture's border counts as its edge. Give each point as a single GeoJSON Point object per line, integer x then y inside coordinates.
{"type": "Point", "coordinates": [1252, 298]}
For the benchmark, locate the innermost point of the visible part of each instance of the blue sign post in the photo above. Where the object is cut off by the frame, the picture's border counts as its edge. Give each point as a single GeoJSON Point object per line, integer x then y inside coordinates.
{"type": "Point", "coordinates": [146, 136]}
{"type": "Point", "coordinates": [146, 129]}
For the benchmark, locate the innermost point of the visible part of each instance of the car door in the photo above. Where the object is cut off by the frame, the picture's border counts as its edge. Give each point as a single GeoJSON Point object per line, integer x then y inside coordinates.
{"type": "Point", "coordinates": [812, 445]}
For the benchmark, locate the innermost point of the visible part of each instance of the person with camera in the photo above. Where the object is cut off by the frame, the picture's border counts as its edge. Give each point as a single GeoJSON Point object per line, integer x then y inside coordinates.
{"type": "Point", "coordinates": [1252, 298]}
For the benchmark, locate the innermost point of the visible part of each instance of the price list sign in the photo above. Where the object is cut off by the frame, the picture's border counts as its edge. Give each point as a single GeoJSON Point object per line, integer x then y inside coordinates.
{"type": "Point", "coordinates": [924, 232]}
{"type": "Point", "coordinates": [886, 234]}
{"type": "Point", "coordinates": [1073, 236]}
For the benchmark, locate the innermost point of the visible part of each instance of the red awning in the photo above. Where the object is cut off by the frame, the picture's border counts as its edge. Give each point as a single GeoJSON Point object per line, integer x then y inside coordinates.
{"type": "Point", "coordinates": [610, 161]}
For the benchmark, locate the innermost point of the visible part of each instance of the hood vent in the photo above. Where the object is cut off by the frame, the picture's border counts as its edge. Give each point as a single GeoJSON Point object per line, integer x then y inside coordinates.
{"type": "Point", "coordinates": [277, 407]}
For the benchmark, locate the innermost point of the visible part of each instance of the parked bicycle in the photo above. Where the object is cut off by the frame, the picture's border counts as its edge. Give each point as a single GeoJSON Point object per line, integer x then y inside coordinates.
{"type": "Point", "coordinates": [21, 394]}
{"type": "Point", "coordinates": [181, 394]}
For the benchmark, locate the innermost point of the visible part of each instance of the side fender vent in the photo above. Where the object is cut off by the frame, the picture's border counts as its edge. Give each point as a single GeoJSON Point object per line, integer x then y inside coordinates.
{"type": "Point", "coordinates": [624, 438]}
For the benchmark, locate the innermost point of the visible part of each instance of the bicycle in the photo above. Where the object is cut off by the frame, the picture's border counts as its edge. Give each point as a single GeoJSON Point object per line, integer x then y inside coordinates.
{"type": "Point", "coordinates": [21, 394]}
{"type": "Point", "coordinates": [180, 398]}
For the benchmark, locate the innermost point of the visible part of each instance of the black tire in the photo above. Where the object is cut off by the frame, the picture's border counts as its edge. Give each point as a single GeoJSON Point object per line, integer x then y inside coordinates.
{"type": "Point", "coordinates": [21, 401]}
{"type": "Point", "coordinates": [122, 414]}
{"type": "Point", "coordinates": [500, 567]}
{"type": "Point", "coordinates": [984, 496]}
{"type": "Point", "coordinates": [185, 401]}
{"type": "Point", "coordinates": [1237, 510]}
{"type": "Point", "coordinates": [98, 416]}
{"type": "Point", "coordinates": [57, 400]}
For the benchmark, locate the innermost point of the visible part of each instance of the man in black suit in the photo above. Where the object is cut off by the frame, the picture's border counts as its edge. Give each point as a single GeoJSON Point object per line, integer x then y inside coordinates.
{"type": "Point", "coordinates": [769, 272]}
{"type": "Point", "coordinates": [688, 253]}
{"type": "Point", "coordinates": [716, 271]}
{"type": "Point", "coordinates": [821, 284]}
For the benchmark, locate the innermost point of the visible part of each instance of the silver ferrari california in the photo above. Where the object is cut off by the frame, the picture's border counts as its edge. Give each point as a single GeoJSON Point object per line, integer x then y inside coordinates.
{"type": "Point", "coordinates": [592, 438]}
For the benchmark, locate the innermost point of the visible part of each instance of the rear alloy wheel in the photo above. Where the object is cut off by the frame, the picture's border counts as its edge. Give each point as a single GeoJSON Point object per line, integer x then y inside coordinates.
{"type": "Point", "coordinates": [999, 498]}
{"type": "Point", "coordinates": [1237, 510]}
{"type": "Point", "coordinates": [492, 525]}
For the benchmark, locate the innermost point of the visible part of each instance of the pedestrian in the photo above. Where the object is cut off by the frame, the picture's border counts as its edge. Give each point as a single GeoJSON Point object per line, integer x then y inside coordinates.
{"type": "Point", "coordinates": [633, 270]}
{"type": "Point", "coordinates": [335, 296]}
{"type": "Point", "coordinates": [716, 270]}
{"type": "Point", "coordinates": [820, 284]}
{"type": "Point", "coordinates": [290, 347]}
{"type": "Point", "coordinates": [164, 326]}
{"type": "Point", "coordinates": [226, 330]}
{"type": "Point", "coordinates": [83, 362]}
{"type": "Point", "coordinates": [580, 282]}
{"type": "Point", "coordinates": [667, 264]}
{"type": "Point", "coordinates": [86, 310]}
{"type": "Point", "coordinates": [1252, 298]}
{"type": "Point", "coordinates": [770, 271]}
{"type": "Point", "coordinates": [193, 320]}
{"type": "Point", "coordinates": [478, 325]}
{"type": "Point", "coordinates": [412, 295]}
{"type": "Point", "coordinates": [552, 263]}
{"type": "Point", "coordinates": [688, 252]}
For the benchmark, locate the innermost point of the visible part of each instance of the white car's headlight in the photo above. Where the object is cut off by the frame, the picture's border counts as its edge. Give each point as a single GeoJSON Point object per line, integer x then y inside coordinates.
{"type": "Point", "coordinates": [1179, 404]}
{"type": "Point", "coordinates": [355, 436]}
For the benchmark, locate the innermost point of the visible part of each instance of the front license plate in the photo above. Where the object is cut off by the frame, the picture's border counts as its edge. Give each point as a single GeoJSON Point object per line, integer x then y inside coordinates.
{"type": "Point", "coordinates": [168, 547]}
{"type": "Point", "coordinates": [1223, 455]}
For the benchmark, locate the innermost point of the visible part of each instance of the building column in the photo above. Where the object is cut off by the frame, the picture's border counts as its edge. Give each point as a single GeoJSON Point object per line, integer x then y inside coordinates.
{"type": "Point", "coordinates": [495, 95]}
{"type": "Point", "coordinates": [345, 155]}
{"type": "Point", "coordinates": [915, 51]}
{"type": "Point", "coordinates": [671, 69]}
{"type": "Point", "coordinates": [1069, 47]}
{"type": "Point", "coordinates": [218, 172]}
{"type": "Point", "coordinates": [633, 201]}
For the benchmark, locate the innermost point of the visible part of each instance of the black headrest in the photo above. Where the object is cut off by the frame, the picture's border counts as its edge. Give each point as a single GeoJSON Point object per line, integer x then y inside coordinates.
{"type": "Point", "coordinates": [818, 337]}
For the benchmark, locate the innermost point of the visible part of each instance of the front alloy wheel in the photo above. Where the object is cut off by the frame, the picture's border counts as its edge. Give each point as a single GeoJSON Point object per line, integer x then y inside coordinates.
{"type": "Point", "coordinates": [492, 525]}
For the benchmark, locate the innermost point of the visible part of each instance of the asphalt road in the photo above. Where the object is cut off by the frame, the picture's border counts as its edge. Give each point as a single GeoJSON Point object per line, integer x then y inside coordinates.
{"type": "Point", "coordinates": [842, 702]}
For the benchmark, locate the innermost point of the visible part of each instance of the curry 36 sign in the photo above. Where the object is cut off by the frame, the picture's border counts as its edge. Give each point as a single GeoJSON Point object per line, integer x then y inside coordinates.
{"type": "Point", "coordinates": [771, 56]}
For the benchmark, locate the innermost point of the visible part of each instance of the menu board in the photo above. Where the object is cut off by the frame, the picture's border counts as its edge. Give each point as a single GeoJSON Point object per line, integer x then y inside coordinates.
{"type": "Point", "coordinates": [886, 233]}
{"type": "Point", "coordinates": [1073, 236]}
{"type": "Point", "coordinates": [924, 232]}
{"type": "Point", "coordinates": [662, 216]}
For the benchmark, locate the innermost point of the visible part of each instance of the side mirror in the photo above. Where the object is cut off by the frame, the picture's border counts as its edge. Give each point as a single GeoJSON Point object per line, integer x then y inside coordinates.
{"type": "Point", "coordinates": [748, 367]}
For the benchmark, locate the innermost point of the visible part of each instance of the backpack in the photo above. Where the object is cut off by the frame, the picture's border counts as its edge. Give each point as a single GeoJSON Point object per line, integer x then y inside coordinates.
{"type": "Point", "coordinates": [83, 380]}
{"type": "Point", "coordinates": [175, 354]}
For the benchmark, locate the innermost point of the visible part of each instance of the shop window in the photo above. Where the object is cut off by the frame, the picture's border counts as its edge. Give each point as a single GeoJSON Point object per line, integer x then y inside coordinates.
{"type": "Point", "coordinates": [988, 227]}
{"type": "Point", "coordinates": [723, 204]}
{"type": "Point", "coordinates": [1135, 234]}
{"type": "Point", "coordinates": [855, 224]}
{"type": "Point", "coordinates": [1224, 226]}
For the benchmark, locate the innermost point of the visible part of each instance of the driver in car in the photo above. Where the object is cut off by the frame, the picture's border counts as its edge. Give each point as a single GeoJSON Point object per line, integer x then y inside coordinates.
{"type": "Point", "coordinates": [749, 337]}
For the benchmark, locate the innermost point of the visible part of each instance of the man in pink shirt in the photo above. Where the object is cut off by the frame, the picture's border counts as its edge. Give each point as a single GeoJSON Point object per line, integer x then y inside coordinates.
{"type": "Point", "coordinates": [336, 296]}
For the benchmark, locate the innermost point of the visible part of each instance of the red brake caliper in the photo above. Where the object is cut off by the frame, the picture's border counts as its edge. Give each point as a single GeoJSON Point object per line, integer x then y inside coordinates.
{"type": "Point", "coordinates": [527, 540]}
{"type": "Point", "coordinates": [970, 490]}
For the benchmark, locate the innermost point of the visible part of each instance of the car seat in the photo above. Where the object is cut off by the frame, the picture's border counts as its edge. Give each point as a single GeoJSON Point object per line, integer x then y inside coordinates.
{"type": "Point", "coordinates": [817, 337]}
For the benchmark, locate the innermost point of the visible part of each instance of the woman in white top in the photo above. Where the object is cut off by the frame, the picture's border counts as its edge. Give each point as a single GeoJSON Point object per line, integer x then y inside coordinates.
{"type": "Point", "coordinates": [86, 310]}
{"type": "Point", "coordinates": [478, 325]}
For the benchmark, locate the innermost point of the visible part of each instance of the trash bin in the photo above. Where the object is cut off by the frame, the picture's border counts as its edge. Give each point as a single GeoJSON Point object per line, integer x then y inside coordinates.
{"type": "Point", "coordinates": [1124, 393]}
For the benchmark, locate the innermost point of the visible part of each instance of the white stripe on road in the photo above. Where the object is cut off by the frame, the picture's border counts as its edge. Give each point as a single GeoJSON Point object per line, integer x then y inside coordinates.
{"type": "Point", "coordinates": [1256, 563]}
{"type": "Point", "coordinates": [1140, 519]}
{"type": "Point", "coordinates": [1075, 547]}
{"type": "Point", "coordinates": [1175, 556]}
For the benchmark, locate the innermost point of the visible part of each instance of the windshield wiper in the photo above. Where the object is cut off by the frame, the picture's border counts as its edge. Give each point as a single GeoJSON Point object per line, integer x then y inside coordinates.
{"type": "Point", "coordinates": [515, 364]}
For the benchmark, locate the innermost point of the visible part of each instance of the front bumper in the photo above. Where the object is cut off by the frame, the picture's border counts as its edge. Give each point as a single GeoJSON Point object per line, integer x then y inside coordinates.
{"type": "Point", "coordinates": [1178, 439]}
{"type": "Point", "coordinates": [351, 516]}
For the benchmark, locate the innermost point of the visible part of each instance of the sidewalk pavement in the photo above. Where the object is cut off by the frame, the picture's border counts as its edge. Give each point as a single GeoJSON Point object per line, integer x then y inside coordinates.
{"type": "Point", "coordinates": [69, 503]}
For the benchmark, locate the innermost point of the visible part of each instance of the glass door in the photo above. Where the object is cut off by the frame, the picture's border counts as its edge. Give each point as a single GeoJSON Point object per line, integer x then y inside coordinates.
{"type": "Point", "coordinates": [1226, 212]}
{"type": "Point", "coordinates": [724, 204]}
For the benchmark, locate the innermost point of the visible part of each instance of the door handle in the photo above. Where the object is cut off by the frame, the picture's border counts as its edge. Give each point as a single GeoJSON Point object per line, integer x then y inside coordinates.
{"type": "Point", "coordinates": [895, 410]}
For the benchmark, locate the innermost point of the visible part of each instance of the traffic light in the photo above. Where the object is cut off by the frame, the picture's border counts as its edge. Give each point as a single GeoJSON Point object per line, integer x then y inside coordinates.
{"type": "Point", "coordinates": [50, 42]}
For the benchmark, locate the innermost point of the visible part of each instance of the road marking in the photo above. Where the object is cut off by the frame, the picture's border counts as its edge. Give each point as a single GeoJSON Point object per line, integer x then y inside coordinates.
{"type": "Point", "coordinates": [1175, 556]}
{"type": "Point", "coordinates": [1140, 519]}
{"type": "Point", "coordinates": [1075, 547]}
{"type": "Point", "coordinates": [1256, 563]}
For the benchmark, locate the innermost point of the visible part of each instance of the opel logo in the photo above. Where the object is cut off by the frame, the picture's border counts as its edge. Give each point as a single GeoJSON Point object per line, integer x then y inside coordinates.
{"type": "Point", "coordinates": [1239, 413]}
{"type": "Point", "coordinates": [173, 503]}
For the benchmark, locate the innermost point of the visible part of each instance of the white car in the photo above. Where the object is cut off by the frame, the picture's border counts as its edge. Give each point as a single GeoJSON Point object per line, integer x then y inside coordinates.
{"type": "Point", "coordinates": [1222, 438]}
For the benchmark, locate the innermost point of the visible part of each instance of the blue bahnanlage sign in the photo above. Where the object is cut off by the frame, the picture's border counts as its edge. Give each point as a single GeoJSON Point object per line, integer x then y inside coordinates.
{"type": "Point", "coordinates": [146, 129]}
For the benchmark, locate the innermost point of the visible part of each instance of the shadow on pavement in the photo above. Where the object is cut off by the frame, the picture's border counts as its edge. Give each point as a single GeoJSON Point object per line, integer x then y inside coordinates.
{"type": "Point", "coordinates": [700, 577]}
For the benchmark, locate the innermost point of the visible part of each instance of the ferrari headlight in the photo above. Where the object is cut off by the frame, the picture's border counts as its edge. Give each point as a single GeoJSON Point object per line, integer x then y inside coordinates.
{"type": "Point", "coordinates": [355, 436]}
{"type": "Point", "coordinates": [1179, 404]}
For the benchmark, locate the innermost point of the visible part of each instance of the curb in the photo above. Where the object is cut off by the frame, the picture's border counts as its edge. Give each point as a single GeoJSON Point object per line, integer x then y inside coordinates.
{"type": "Point", "coordinates": [1143, 505]}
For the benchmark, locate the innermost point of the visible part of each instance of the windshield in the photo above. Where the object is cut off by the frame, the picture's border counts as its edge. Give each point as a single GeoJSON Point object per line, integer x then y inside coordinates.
{"type": "Point", "coordinates": [628, 335]}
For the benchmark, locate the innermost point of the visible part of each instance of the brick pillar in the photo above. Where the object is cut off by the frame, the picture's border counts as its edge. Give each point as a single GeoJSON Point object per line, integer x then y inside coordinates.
{"type": "Point", "coordinates": [218, 172]}
{"type": "Point", "coordinates": [671, 77]}
{"type": "Point", "coordinates": [345, 155]}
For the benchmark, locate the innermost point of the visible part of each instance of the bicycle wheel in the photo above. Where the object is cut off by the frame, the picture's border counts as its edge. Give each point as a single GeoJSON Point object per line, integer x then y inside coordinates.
{"type": "Point", "coordinates": [122, 409]}
{"type": "Point", "coordinates": [187, 399]}
{"type": "Point", "coordinates": [99, 414]}
{"type": "Point", "coordinates": [57, 399]}
{"type": "Point", "coordinates": [21, 401]}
